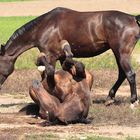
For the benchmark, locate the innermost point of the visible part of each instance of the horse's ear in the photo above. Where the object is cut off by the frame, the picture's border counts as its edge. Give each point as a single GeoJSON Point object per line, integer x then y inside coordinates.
{"type": "Point", "coordinates": [2, 50]}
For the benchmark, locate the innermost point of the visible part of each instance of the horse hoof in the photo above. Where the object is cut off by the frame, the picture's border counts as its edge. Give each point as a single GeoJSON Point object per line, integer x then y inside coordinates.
{"type": "Point", "coordinates": [134, 105]}
{"type": "Point", "coordinates": [35, 116]}
{"type": "Point", "coordinates": [41, 68]}
{"type": "Point", "coordinates": [137, 102]}
{"type": "Point", "coordinates": [109, 102]}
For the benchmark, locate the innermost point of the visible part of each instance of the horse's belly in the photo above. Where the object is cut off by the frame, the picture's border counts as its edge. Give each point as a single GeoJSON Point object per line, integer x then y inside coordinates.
{"type": "Point", "coordinates": [89, 50]}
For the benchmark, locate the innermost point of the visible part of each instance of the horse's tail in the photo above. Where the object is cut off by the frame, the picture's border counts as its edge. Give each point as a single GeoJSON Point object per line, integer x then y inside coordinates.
{"type": "Point", "coordinates": [138, 22]}
{"type": "Point", "coordinates": [138, 19]}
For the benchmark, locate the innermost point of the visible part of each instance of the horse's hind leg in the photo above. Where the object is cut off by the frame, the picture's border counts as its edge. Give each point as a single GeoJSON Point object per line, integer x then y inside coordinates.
{"type": "Point", "coordinates": [49, 105]}
{"type": "Point", "coordinates": [113, 90]}
{"type": "Point", "coordinates": [130, 75]}
{"type": "Point", "coordinates": [125, 70]}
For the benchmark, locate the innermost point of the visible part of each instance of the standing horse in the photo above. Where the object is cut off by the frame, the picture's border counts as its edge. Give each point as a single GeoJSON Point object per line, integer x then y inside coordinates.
{"type": "Point", "coordinates": [87, 33]}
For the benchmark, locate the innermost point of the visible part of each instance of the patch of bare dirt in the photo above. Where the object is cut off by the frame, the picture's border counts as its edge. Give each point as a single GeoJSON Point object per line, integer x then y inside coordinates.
{"type": "Point", "coordinates": [20, 80]}
{"type": "Point", "coordinates": [117, 121]}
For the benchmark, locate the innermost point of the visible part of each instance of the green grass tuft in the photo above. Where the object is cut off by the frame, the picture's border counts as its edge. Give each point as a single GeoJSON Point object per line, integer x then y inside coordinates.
{"type": "Point", "coordinates": [73, 137]}
{"type": "Point", "coordinates": [131, 138]}
{"type": "Point", "coordinates": [47, 136]}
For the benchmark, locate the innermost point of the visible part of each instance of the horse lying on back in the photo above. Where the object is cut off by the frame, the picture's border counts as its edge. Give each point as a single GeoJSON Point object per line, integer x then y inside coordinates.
{"type": "Point", "coordinates": [87, 34]}
{"type": "Point", "coordinates": [70, 101]}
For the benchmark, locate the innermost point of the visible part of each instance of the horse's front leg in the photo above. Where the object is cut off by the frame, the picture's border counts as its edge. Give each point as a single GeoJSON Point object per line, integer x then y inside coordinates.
{"type": "Point", "coordinates": [68, 64]}
{"type": "Point", "coordinates": [55, 51]}
{"type": "Point", "coordinates": [66, 49]}
{"type": "Point", "coordinates": [47, 71]}
{"type": "Point", "coordinates": [49, 105]}
{"type": "Point", "coordinates": [65, 46]}
{"type": "Point", "coordinates": [68, 55]}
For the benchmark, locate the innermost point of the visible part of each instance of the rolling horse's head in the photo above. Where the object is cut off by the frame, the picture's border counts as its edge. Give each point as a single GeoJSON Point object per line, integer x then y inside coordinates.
{"type": "Point", "coordinates": [6, 65]}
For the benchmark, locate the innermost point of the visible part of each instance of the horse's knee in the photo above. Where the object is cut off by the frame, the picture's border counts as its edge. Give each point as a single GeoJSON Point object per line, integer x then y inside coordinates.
{"type": "Point", "coordinates": [43, 65]}
{"type": "Point", "coordinates": [75, 68]}
{"type": "Point", "coordinates": [80, 70]}
{"type": "Point", "coordinates": [41, 60]}
{"type": "Point", "coordinates": [66, 48]}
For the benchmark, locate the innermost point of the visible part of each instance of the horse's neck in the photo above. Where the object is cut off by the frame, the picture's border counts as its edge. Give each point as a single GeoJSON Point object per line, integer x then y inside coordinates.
{"type": "Point", "coordinates": [16, 49]}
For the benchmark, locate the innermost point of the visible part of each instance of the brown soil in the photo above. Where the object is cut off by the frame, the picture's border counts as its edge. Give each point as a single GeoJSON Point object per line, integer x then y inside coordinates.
{"type": "Point", "coordinates": [117, 121]}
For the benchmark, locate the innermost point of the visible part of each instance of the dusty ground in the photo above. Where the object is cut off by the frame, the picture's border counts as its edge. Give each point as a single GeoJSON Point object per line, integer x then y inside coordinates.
{"type": "Point", "coordinates": [117, 121]}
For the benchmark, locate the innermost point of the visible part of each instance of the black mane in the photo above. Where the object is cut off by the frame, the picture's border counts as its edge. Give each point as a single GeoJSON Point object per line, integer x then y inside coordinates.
{"type": "Point", "coordinates": [23, 29]}
{"type": "Point", "coordinates": [28, 26]}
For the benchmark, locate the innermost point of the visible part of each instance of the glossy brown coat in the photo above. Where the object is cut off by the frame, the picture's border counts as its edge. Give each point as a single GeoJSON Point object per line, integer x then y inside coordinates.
{"type": "Point", "coordinates": [68, 103]}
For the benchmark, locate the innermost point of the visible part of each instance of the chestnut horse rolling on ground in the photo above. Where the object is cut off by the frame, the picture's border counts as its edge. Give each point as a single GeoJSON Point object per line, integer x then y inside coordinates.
{"type": "Point", "coordinates": [87, 34]}
{"type": "Point", "coordinates": [70, 100]}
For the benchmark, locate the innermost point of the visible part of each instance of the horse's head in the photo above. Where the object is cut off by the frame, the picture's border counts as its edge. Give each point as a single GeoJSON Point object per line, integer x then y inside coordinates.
{"type": "Point", "coordinates": [6, 65]}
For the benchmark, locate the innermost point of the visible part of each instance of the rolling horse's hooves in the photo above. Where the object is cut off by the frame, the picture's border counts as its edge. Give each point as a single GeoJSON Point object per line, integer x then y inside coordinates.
{"type": "Point", "coordinates": [109, 101]}
{"type": "Point", "coordinates": [36, 84]}
{"type": "Point", "coordinates": [134, 105]}
{"type": "Point", "coordinates": [41, 68]}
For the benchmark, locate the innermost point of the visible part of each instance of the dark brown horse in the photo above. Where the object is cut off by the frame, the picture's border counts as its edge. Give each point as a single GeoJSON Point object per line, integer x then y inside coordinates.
{"type": "Point", "coordinates": [70, 100]}
{"type": "Point", "coordinates": [87, 33]}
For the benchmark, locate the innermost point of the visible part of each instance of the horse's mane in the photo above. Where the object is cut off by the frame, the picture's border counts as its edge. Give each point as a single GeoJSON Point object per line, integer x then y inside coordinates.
{"type": "Point", "coordinates": [20, 31]}
{"type": "Point", "coordinates": [29, 25]}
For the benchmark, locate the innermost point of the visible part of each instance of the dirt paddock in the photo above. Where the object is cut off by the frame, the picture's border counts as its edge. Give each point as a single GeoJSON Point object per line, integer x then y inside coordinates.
{"type": "Point", "coordinates": [117, 121]}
